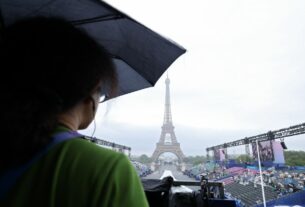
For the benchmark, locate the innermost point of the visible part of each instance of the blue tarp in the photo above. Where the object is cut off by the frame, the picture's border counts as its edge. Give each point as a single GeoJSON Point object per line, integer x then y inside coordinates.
{"type": "Point", "coordinates": [297, 198]}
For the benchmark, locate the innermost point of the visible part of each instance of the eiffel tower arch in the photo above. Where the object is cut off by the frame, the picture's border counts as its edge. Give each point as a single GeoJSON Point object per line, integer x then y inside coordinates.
{"type": "Point", "coordinates": [168, 141]}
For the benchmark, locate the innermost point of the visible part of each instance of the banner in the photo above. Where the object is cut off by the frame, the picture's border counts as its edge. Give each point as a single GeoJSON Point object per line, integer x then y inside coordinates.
{"type": "Point", "coordinates": [278, 152]}
{"type": "Point", "coordinates": [222, 155]}
{"type": "Point", "coordinates": [265, 151]}
{"type": "Point", "coordinates": [219, 155]}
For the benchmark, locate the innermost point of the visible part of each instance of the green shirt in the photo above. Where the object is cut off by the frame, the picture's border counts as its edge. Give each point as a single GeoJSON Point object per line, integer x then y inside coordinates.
{"type": "Point", "coordinates": [79, 173]}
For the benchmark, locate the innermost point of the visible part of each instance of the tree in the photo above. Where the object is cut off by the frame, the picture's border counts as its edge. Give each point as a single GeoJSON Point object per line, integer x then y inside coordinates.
{"type": "Point", "coordinates": [295, 158]}
{"type": "Point", "coordinates": [144, 159]}
{"type": "Point", "coordinates": [244, 158]}
{"type": "Point", "coordinates": [195, 160]}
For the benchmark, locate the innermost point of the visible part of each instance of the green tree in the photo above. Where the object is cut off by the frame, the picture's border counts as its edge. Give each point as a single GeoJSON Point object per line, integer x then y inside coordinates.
{"type": "Point", "coordinates": [144, 159]}
{"type": "Point", "coordinates": [295, 158]}
{"type": "Point", "coordinates": [195, 160]}
{"type": "Point", "coordinates": [244, 158]}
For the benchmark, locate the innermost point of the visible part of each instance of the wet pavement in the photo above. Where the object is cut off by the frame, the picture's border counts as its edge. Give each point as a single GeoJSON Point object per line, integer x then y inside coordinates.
{"type": "Point", "coordinates": [171, 170]}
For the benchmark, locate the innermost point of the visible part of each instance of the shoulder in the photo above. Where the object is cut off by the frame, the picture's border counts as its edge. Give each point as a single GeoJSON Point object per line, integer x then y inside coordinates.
{"type": "Point", "coordinates": [90, 154]}
{"type": "Point", "coordinates": [110, 174]}
{"type": "Point", "coordinates": [80, 145]}
{"type": "Point", "coordinates": [83, 151]}
{"type": "Point", "coordinates": [88, 166]}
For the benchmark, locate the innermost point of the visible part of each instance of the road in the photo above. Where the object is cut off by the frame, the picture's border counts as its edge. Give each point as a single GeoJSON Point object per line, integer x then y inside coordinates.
{"type": "Point", "coordinates": [171, 170]}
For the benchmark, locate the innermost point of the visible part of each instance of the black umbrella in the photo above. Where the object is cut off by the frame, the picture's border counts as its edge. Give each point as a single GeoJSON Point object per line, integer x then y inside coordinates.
{"type": "Point", "coordinates": [141, 55]}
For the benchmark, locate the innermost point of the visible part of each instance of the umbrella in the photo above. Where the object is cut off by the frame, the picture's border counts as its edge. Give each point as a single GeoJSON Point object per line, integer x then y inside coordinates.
{"type": "Point", "coordinates": [141, 55]}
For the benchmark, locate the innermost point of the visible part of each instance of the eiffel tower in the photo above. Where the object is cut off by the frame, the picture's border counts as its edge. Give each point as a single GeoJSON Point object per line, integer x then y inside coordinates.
{"type": "Point", "coordinates": [168, 141]}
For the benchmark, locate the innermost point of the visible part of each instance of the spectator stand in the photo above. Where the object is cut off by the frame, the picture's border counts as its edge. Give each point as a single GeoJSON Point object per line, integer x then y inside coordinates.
{"type": "Point", "coordinates": [141, 169]}
{"type": "Point", "coordinates": [288, 200]}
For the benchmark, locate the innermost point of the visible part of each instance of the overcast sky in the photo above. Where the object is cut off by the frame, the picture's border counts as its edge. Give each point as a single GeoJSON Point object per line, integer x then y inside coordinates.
{"type": "Point", "coordinates": [243, 74]}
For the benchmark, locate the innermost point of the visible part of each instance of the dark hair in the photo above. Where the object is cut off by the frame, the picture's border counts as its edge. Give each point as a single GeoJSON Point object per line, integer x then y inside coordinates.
{"type": "Point", "coordinates": [48, 66]}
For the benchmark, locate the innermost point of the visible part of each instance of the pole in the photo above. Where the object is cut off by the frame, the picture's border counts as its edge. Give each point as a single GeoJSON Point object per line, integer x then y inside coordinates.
{"type": "Point", "coordinates": [260, 173]}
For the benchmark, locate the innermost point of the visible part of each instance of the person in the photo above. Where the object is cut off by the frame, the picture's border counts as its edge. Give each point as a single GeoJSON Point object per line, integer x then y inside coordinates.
{"type": "Point", "coordinates": [53, 76]}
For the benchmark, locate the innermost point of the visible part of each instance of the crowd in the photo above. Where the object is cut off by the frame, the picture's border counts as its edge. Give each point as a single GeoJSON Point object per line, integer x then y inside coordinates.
{"type": "Point", "coordinates": [282, 181]}
{"type": "Point", "coordinates": [141, 169]}
{"type": "Point", "coordinates": [197, 170]}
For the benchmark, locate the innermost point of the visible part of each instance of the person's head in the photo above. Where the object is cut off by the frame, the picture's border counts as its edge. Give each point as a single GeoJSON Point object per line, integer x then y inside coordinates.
{"type": "Point", "coordinates": [48, 67]}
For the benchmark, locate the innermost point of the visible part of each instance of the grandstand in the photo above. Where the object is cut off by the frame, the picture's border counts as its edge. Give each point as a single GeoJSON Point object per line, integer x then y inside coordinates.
{"type": "Point", "coordinates": [250, 195]}
{"type": "Point", "coordinates": [243, 183]}
{"type": "Point", "coordinates": [141, 169]}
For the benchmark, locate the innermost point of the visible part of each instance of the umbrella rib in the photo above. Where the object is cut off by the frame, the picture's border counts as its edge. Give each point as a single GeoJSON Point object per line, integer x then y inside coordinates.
{"type": "Point", "coordinates": [97, 19]}
{"type": "Point", "coordinates": [41, 7]}
{"type": "Point", "coordinates": [119, 58]}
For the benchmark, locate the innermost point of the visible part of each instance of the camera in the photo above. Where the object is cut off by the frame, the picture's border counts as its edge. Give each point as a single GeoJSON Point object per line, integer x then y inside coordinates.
{"type": "Point", "coordinates": [170, 193]}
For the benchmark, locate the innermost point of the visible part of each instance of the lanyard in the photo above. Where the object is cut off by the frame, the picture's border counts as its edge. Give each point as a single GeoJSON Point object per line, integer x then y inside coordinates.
{"type": "Point", "coordinates": [10, 177]}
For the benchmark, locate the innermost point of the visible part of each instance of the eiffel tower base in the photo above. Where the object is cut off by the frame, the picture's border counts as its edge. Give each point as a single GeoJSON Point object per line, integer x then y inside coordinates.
{"type": "Point", "coordinates": [172, 148]}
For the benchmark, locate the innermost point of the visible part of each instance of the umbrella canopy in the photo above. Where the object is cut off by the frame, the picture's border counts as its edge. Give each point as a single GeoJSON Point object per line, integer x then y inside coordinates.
{"type": "Point", "coordinates": [141, 55]}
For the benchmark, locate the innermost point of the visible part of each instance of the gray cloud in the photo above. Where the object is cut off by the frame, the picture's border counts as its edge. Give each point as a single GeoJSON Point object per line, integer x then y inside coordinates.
{"type": "Point", "coordinates": [243, 75]}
